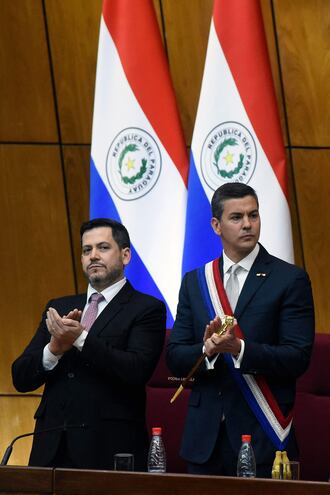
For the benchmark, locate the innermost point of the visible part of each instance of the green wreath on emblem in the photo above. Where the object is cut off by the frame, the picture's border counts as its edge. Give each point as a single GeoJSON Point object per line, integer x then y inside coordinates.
{"type": "Point", "coordinates": [143, 169]}
{"type": "Point", "coordinates": [217, 153]}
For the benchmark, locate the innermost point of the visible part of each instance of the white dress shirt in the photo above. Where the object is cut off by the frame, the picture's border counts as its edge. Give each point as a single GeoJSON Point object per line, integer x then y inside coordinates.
{"type": "Point", "coordinates": [50, 360]}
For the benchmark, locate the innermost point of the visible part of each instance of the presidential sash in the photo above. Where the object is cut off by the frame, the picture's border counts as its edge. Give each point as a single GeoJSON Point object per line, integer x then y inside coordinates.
{"type": "Point", "coordinates": [253, 387]}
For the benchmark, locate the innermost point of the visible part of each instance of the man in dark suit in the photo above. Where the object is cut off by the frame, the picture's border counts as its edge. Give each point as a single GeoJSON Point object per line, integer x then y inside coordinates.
{"type": "Point", "coordinates": [94, 396]}
{"type": "Point", "coordinates": [267, 351]}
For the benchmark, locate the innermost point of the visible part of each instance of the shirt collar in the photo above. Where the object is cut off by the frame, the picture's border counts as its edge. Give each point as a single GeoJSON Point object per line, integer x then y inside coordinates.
{"type": "Point", "coordinates": [245, 263]}
{"type": "Point", "coordinates": [109, 292]}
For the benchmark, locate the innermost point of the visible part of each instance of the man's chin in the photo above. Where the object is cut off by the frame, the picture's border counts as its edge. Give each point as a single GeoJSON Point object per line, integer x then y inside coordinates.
{"type": "Point", "coordinates": [100, 282]}
{"type": "Point", "coordinates": [247, 245]}
{"type": "Point", "coordinates": [95, 278]}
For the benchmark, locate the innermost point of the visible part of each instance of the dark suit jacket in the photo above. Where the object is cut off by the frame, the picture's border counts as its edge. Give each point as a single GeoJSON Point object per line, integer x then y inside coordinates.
{"type": "Point", "coordinates": [276, 316]}
{"type": "Point", "coordinates": [102, 387]}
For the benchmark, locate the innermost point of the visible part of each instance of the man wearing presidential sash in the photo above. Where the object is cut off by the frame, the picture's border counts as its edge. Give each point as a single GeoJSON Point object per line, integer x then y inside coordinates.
{"type": "Point", "coordinates": [246, 385]}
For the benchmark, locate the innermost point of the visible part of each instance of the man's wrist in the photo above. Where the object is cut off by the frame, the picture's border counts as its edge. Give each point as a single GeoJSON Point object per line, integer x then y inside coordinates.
{"type": "Point", "coordinates": [237, 352]}
{"type": "Point", "coordinates": [55, 350]}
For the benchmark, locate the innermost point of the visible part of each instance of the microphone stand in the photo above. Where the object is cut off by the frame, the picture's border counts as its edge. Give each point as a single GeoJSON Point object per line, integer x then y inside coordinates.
{"type": "Point", "coordinates": [226, 322]}
{"type": "Point", "coordinates": [9, 449]}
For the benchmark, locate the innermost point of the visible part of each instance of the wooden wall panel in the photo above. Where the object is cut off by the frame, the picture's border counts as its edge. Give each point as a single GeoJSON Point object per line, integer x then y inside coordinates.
{"type": "Point", "coordinates": [26, 110]}
{"type": "Point", "coordinates": [311, 169]}
{"type": "Point", "coordinates": [14, 422]}
{"type": "Point", "coordinates": [35, 248]}
{"type": "Point", "coordinates": [76, 163]}
{"type": "Point", "coordinates": [74, 30]}
{"type": "Point", "coordinates": [295, 221]}
{"type": "Point", "coordinates": [187, 25]}
{"type": "Point", "coordinates": [266, 7]}
{"type": "Point", "coordinates": [303, 33]}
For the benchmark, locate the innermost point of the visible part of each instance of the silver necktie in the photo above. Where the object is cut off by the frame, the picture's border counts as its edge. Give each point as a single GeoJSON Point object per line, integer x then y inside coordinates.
{"type": "Point", "coordinates": [232, 286]}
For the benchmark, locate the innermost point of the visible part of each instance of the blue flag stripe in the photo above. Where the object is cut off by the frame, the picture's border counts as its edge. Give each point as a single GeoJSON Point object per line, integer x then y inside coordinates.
{"type": "Point", "coordinates": [101, 205]}
{"type": "Point", "coordinates": [201, 243]}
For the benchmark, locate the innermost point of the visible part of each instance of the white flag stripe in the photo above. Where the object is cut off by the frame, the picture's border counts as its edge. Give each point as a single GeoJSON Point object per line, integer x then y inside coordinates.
{"type": "Point", "coordinates": [116, 108]}
{"type": "Point", "coordinates": [225, 104]}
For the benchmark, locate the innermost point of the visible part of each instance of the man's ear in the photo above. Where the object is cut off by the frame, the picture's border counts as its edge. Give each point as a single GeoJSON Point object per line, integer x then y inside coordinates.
{"type": "Point", "coordinates": [215, 222]}
{"type": "Point", "coordinates": [126, 255]}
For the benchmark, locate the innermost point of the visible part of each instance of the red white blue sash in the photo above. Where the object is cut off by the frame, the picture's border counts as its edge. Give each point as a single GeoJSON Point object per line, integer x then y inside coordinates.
{"type": "Point", "coordinates": [254, 387]}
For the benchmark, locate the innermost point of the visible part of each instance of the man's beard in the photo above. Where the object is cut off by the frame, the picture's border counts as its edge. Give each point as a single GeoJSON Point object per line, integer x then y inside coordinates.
{"type": "Point", "coordinates": [107, 279]}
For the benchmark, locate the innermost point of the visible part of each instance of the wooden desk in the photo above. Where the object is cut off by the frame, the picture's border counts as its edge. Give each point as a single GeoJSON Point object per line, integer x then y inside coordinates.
{"type": "Point", "coordinates": [14, 479]}
{"type": "Point", "coordinates": [78, 482]}
{"type": "Point", "coordinates": [21, 480]}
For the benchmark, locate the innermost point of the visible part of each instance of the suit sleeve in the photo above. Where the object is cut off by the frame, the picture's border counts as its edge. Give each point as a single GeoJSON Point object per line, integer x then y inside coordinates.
{"type": "Point", "coordinates": [289, 354]}
{"type": "Point", "coordinates": [185, 343]}
{"type": "Point", "coordinates": [28, 373]}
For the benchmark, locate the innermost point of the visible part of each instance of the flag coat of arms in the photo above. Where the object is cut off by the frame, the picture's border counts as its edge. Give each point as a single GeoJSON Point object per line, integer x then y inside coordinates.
{"type": "Point", "coordinates": [139, 166]}
{"type": "Point", "coordinates": [237, 134]}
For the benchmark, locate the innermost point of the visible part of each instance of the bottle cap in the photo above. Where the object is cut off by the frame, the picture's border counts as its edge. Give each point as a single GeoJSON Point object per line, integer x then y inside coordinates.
{"type": "Point", "coordinates": [156, 430]}
{"type": "Point", "coordinates": [246, 438]}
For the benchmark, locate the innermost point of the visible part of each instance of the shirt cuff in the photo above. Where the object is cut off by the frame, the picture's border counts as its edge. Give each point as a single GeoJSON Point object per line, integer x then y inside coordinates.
{"type": "Point", "coordinates": [80, 341]}
{"type": "Point", "coordinates": [49, 360]}
{"type": "Point", "coordinates": [209, 363]}
{"type": "Point", "coordinates": [237, 360]}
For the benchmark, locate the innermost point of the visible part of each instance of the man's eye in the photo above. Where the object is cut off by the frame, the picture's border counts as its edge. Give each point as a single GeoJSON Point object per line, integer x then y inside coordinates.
{"type": "Point", "coordinates": [86, 250]}
{"type": "Point", "coordinates": [104, 248]}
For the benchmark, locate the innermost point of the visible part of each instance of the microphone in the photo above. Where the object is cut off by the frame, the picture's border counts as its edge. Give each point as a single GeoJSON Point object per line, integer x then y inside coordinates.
{"type": "Point", "coordinates": [9, 449]}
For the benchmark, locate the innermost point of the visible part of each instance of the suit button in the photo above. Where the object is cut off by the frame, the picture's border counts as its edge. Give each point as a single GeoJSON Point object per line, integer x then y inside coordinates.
{"type": "Point", "coordinates": [70, 375]}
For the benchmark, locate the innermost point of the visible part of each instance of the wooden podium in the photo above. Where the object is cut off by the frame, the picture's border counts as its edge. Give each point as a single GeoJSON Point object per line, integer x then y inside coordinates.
{"type": "Point", "coordinates": [21, 480]}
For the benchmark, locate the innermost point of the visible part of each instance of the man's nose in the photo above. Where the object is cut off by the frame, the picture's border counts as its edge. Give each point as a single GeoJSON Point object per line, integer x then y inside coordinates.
{"type": "Point", "coordinates": [94, 253]}
{"type": "Point", "coordinates": [246, 222]}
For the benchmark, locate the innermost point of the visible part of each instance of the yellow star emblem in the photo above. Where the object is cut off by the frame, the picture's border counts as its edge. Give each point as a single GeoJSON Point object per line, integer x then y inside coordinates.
{"type": "Point", "coordinates": [130, 164]}
{"type": "Point", "coordinates": [229, 158]}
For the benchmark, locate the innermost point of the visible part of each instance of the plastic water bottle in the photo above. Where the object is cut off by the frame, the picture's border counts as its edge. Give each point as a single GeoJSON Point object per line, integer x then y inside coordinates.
{"type": "Point", "coordinates": [246, 464]}
{"type": "Point", "coordinates": [157, 454]}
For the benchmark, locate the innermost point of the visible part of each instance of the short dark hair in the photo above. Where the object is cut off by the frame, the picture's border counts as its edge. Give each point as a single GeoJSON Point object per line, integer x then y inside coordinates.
{"type": "Point", "coordinates": [230, 190]}
{"type": "Point", "coordinates": [119, 232]}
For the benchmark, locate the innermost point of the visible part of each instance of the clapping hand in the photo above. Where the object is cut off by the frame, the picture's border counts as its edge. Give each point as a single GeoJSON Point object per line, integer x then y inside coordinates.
{"type": "Point", "coordinates": [64, 330]}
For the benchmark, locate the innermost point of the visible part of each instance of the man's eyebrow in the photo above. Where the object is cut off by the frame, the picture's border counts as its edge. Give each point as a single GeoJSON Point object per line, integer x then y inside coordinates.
{"type": "Point", "coordinates": [243, 212]}
{"type": "Point", "coordinates": [97, 244]}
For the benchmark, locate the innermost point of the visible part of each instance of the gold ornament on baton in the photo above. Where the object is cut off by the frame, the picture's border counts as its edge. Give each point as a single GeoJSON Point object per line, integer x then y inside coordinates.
{"type": "Point", "coordinates": [226, 321]}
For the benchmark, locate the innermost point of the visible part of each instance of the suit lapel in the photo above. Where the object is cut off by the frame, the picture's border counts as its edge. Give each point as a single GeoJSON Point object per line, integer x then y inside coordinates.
{"type": "Point", "coordinates": [112, 309]}
{"type": "Point", "coordinates": [259, 272]}
{"type": "Point", "coordinates": [80, 301]}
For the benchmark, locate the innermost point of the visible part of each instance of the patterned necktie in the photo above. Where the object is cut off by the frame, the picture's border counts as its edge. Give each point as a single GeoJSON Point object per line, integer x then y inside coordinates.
{"type": "Point", "coordinates": [232, 286]}
{"type": "Point", "coordinates": [91, 312]}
